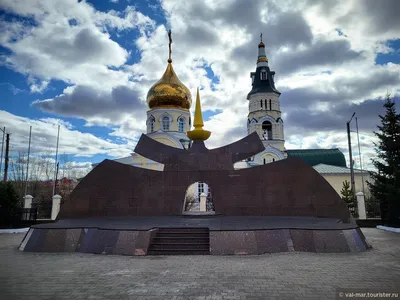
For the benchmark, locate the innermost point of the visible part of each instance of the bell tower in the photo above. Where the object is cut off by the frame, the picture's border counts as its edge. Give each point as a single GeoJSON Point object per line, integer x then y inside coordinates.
{"type": "Point", "coordinates": [264, 111]}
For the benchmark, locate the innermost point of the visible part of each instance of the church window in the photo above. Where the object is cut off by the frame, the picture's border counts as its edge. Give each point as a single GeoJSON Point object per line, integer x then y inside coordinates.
{"type": "Point", "coordinates": [165, 123]}
{"type": "Point", "coordinates": [263, 75]}
{"type": "Point", "coordinates": [270, 104]}
{"type": "Point", "coordinates": [151, 122]}
{"type": "Point", "coordinates": [267, 130]}
{"type": "Point", "coordinates": [201, 188]}
{"type": "Point", "coordinates": [265, 104]}
{"type": "Point", "coordinates": [151, 125]}
{"type": "Point", "coordinates": [181, 124]}
{"type": "Point", "coordinates": [261, 104]}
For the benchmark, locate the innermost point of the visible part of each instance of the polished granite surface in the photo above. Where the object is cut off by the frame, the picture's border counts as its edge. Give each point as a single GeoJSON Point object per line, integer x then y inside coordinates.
{"type": "Point", "coordinates": [216, 223]}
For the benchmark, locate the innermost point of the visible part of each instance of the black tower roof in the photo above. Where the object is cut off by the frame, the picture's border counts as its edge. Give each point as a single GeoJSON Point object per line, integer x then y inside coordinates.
{"type": "Point", "coordinates": [263, 86]}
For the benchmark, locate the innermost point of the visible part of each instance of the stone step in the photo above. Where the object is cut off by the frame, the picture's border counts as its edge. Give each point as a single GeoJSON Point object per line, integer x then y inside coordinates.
{"type": "Point", "coordinates": [182, 234]}
{"type": "Point", "coordinates": [185, 246]}
{"type": "Point", "coordinates": [178, 252]}
{"type": "Point", "coordinates": [181, 239]}
{"type": "Point", "coordinates": [182, 230]}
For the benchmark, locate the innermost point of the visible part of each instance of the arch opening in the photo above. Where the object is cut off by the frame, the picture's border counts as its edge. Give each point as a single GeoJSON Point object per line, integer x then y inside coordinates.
{"type": "Point", "coordinates": [198, 200]}
{"type": "Point", "coordinates": [267, 130]}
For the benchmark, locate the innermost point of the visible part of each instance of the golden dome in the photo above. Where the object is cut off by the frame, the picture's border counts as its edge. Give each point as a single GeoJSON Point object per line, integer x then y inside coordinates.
{"type": "Point", "coordinates": [169, 91]}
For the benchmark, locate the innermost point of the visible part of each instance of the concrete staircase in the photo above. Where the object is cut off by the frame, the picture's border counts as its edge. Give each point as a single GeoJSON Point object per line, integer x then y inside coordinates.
{"type": "Point", "coordinates": [180, 241]}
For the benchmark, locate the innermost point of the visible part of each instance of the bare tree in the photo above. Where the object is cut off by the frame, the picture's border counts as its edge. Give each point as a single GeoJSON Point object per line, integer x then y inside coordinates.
{"type": "Point", "coordinates": [190, 202]}
{"type": "Point", "coordinates": [17, 172]}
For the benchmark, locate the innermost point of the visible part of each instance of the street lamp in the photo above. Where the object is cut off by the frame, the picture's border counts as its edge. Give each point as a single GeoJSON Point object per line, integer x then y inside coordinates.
{"type": "Point", "coordinates": [2, 146]}
{"type": "Point", "coordinates": [351, 155]}
{"type": "Point", "coordinates": [359, 154]}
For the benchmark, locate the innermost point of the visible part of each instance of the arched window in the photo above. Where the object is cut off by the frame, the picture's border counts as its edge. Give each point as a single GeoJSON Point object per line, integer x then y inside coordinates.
{"type": "Point", "coordinates": [267, 130]}
{"type": "Point", "coordinates": [150, 123]}
{"type": "Point", "coordinates": [181, 125]}
{"type": "Point", "coordinates": [165, 123]}
{"type": "Point", "coordinates": [263, 74]}
{"type": "Point", "coordinates": [270, 104]}
{"type": "Point", "coordinates": [265, 103]}
{"type": "Point", "coordinates": [261, 104]}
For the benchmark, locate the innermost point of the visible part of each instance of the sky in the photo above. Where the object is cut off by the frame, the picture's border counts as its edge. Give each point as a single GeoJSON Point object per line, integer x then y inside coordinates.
{"type": "Point", "coordinates": [87, 66]}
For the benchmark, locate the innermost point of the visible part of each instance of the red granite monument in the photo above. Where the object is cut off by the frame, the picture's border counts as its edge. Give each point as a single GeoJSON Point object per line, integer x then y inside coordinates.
{"type": "Point", "coordinates": [122, 209]}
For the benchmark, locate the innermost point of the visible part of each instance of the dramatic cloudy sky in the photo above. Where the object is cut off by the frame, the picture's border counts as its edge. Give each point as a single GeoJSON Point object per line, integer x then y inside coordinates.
{"type": "Point", "coordinates": [87, 66]}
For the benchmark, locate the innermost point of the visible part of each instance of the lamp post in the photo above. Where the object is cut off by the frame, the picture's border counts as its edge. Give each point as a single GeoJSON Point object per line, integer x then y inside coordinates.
{"type": "Point", "coordinates": [55, 165]}
{"type": "Point", "coordinates": [2, 146]}
{"type": "Point", "coordinates": [359, 154]}
{"type": "Point", "coordinates": [351, 155]}
{"type": "Point", "coordinates": [27, 164]}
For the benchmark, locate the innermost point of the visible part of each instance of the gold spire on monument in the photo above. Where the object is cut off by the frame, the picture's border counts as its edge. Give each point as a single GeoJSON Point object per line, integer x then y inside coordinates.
{"type": "Point", "coordinates": [169, 91]}
{"type": "Point", "coordinates": [198, 133]}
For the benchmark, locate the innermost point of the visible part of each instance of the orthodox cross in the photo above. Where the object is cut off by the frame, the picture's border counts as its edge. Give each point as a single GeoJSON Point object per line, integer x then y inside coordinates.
{"type": "Point", "coordinates": [261, 37]}
{"type": "Point", "coordinates": [170, 42]}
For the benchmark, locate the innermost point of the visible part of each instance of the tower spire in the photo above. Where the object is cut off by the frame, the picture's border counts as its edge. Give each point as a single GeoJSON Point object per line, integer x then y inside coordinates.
{"type": "Point", "coordinates": [198, 134]}
{"type": "Point", "coordinates": [262, 57]}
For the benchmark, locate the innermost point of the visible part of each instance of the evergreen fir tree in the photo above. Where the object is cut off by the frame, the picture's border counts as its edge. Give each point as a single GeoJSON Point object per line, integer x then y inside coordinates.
{"type": "Point", "coordinates": [10, 207]}
{"type": "Point", "coordinates": [347, 196]}
{"type": "Point", "coordinates": [386, 180]}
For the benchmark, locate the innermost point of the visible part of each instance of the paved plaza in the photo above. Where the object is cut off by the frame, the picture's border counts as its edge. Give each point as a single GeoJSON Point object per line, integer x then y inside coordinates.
{"type": "Point", "coordinates": [295, 275]}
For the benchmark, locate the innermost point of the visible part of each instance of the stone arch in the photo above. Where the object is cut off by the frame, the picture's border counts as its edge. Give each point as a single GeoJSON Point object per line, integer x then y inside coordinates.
{"type": "Point", "coordinates": [192, 201]}
{"type": "Point", "coordinates": [167, 139]}
{"type": "Point", "coordinates": [268, 157]}
{"type": "Point", "coordinates": [267, 118]}
{"type": "Point", "coordinates": [269, 150]}
{"type": "Point", "coordinates": [266, 127]}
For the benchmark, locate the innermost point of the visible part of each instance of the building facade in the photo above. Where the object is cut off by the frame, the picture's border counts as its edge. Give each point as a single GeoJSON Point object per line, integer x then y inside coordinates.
{"type": "Point", "coordinates": [264, 115]}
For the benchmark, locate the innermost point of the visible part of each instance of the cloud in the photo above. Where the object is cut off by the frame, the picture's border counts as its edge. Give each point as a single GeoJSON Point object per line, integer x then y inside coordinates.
{"type": "Point", "coordinates": [383, 14]}
{"type": "Point", "coordinates": [14, 90]}
{"type": "Point", "coordinates": [44, 137]}
{"type": "Point", "coordinates": [322, 54]}
{"type": "Point", "coordinates": [87, 103]}
{"type": "Point", "coordinates": [68, 42]}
